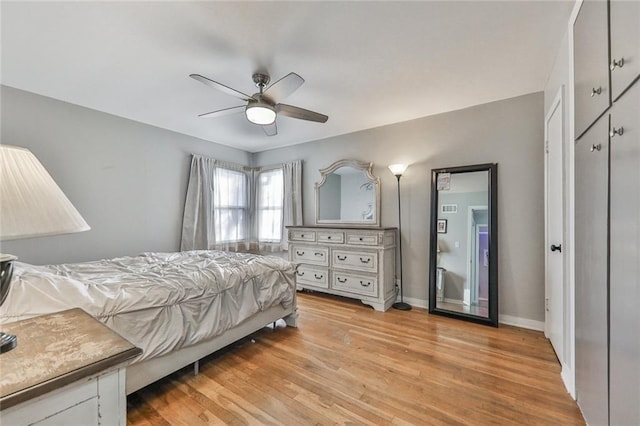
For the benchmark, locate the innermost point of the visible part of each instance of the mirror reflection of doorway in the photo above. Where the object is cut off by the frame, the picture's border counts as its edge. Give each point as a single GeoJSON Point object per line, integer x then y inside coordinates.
{"type": "Point", "coordinates": [476, 292]}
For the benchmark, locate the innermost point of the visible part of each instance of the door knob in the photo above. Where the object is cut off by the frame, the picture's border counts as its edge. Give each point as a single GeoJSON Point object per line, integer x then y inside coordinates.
{"type": "Point", "coordinates": [556, 247]}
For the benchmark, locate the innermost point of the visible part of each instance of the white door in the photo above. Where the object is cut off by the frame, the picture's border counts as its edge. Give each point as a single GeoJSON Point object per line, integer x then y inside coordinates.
{"type": "Point", "coordinates": [554, 258]}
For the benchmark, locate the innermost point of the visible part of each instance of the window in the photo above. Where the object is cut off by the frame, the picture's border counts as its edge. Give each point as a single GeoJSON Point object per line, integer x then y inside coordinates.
{"type": "Point", "coordinates": [270, 202]}
{"type": "Point", "coordinates": [231, 207]}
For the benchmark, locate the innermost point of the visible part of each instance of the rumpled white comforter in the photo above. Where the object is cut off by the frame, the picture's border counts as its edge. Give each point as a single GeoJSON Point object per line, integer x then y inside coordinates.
{"type": "Point", "coordinates": [158, 301]}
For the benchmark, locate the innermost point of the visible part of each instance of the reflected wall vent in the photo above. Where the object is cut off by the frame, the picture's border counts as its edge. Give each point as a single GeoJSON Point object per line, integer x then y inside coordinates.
{"type": "Point", "coordinates": [449, 208]}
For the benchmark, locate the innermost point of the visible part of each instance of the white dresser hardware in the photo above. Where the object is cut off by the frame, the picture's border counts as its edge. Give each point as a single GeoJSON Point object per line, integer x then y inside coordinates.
{"type": "Point", "coordinates": [357, 262]}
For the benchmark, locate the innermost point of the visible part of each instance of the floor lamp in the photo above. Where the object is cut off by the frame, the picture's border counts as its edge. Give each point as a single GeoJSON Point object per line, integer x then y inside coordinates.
{"type": "Point", "coordinates": [398, 170]}
{"type": "Point", "coordinates": [32, 206]}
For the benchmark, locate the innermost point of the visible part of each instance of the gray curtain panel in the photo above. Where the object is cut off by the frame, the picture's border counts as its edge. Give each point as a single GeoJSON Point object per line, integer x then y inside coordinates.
{"type": "Point", "coordinates": [198, 231]}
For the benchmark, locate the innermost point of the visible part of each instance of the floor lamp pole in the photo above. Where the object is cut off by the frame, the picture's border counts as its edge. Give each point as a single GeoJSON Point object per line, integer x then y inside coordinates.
{"type": "Point", "coordinates": [400, 305]}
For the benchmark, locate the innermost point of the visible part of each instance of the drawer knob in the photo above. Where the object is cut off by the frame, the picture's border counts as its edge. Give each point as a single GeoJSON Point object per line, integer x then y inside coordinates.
{"type": "Point", "coordinates": [318, 277]}
{"type": "Point", "coordinates": [367, 284]}
{"type": "Point", "coordinates": [329, 237]}
{"type": "Point", "coordinates": [616, 64]}
{"type": "Point", "coordinates": [299, 253]}
{"type": "Point", "coordinates": [342, 258]}
{"type": "Point", "coordinates": [319, 254]}
{"type": "Point", "coordinates": [595, 147]}
{"type": "Point", "coordinates": [300, 274]}
{"type": "Point", "coordinates": [342, 280]}
{"type": "Point", "coordinates": [619, 131]}
{"type": "Point", "coordinates": [301, 235]}
{"type": "Point", "coordinates": [360, 238]}
{"type": "Point", "coordinates": [595, 91]}
{"type": "Point", "coordinates": [365, 261]}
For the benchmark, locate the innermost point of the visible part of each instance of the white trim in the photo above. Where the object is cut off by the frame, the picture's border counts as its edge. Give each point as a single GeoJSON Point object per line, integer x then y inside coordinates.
{"type": "Point", "coordinates": [417, 303]}
{"type": "Point", "coordinates": [453, 301]}
{"type": "Point", "coordinates": [569, 378]}
{"type": "Point", "coordinates": [556, 106]}
{"type": "Point", "coordinates": [503, 319]}
{"type": "Point", "coordinates": [521, 322]}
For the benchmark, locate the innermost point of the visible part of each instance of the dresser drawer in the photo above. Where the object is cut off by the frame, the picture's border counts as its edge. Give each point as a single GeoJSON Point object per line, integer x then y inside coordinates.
{"type": "Point", "coordinates": [300, 235]}
{"type": "Point", "coordinates": [312, 276]}
{"type": "Point", "coordinates": [330, 237]}
{"type": "Point", "coordinates": [313, 255]}
{"type": "Point", "coordinates": [357, 260]}
{"type": "Point", "coordinates": [363, 240]}
{"type": "Point", "coordinates": [355, 283]}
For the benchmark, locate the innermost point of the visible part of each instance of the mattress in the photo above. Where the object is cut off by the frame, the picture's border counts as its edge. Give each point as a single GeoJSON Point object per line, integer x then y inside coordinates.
{"type": "Point", "coordinates": [160, 302]}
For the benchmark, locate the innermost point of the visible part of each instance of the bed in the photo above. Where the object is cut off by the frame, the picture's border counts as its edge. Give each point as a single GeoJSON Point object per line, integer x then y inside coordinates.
{"type": "Point", "coordinates": [177, 307]}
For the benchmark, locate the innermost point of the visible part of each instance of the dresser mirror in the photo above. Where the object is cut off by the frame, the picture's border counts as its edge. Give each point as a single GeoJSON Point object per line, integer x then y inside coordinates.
{"type": "Point", "coordinates": [463, 269]}
{"type": "Point", "coordinates": [348, 194]}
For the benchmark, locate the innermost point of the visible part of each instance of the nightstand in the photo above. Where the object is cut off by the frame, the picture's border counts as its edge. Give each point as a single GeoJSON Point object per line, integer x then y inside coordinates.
{"type": "Point", "coordinates": [68, 368]}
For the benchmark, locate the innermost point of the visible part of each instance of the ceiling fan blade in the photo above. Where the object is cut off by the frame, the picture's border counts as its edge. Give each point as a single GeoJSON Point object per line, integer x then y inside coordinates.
{"type": "Point", "coordinates": [300, 113]}
{"type": "Point", "coordinates": [284, 87]}
{"type": "Point", "coordinates": [270, 129]}
{"type": "Point", "coordinates": [222, 112]}
{"type": "Point", "coordinates": [225, 89]}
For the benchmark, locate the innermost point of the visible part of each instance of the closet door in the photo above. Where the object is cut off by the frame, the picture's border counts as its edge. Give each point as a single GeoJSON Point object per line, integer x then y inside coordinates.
{"type": "Point", "coordinates": [625, 44]}
{"type": "Point", "coordinates": [591, 193]}
{"type": "Point", "coordinates": [591, 55]}
{"type": "Point", "coordinates": [624, 275]}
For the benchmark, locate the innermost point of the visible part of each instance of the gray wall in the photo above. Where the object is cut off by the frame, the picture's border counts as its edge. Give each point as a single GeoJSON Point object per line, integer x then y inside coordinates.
{"type": "Point", "coordinates": [127, 179]}
{"type": "Point", "coordinates": [508, 132]}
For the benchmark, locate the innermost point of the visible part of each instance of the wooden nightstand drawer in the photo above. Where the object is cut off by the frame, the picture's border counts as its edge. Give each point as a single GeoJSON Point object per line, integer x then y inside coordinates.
{"type": "Point", "coordinates": [330, 237]}
{"type": "Point", "coordinates": [357, 260]}
{"type": "Point", "coordinates": [313, 255]}
{"type": "Point", "coordinates": [355, 283]}
{"type": "Point", "coordinates": [312, 276]}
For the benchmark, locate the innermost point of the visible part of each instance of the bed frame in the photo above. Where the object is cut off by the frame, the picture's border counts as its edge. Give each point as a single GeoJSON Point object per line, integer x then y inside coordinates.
{"type": "Point", "coordinates": [146, 372]}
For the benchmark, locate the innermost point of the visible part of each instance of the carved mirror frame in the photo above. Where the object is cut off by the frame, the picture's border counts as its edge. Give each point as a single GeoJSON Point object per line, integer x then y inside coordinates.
{"type": "Point", "coordinates": [367, 169]}
{"type": "Point", "coordinates": [492, 204]}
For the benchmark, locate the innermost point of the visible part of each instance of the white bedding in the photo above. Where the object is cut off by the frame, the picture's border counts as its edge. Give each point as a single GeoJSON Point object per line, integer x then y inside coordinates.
{"type": "Point", "coordinates": [158, 301]}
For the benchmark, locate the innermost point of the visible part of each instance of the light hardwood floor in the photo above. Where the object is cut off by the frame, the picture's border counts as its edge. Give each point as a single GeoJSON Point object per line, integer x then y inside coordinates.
{"type": "Point", "coordinates": [347, 363]}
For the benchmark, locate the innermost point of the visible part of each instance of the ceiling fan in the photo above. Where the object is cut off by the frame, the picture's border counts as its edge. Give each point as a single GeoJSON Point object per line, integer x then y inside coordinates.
{"type": "Point", "coordinates": [262, 107]}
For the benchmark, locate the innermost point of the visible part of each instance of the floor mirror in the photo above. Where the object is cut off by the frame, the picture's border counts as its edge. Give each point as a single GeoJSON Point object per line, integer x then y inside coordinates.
{"type": "Point", "coordinates": [463, 267]}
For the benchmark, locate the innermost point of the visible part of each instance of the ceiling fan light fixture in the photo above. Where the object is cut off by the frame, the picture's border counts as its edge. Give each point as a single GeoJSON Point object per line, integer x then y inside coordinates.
{"type": "Point", "coordinates": [262, 114]}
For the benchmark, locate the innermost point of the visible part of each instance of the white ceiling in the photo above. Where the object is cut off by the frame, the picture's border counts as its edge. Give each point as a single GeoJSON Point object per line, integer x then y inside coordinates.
{"type": "Point", "coordinates": [366, 64]}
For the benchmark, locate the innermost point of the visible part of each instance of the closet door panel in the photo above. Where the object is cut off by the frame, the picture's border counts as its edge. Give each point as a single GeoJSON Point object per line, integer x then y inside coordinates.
{"type": "Point", "coordinates": [625, 44]}
{"type": "Point", "coordinates": [591, 202]}
{"type": "Point", "coordinates": [591, 55]}
{"type": "Point", "coordinates": [624, 275]}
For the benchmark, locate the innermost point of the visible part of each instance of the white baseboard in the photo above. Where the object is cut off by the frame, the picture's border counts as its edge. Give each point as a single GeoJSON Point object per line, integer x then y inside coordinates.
{"type": "Point", "coordinates": [567, 378]}
{"type": "Point", "coordinates": [521, 322]}
{"type": "Point", "coordinates": [454, 301]}
{"type": "Point", "coordinates": [416, 303]}
{"type": "Point", "coordinates": [503, 319]}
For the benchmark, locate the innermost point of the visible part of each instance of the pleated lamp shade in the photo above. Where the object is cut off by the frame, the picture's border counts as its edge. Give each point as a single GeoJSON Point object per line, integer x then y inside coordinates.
{"type": "Point", "coordinates": [31, 204]}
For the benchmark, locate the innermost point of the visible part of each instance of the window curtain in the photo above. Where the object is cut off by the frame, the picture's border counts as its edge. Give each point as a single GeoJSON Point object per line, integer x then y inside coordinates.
{"type": "Point", "coordinates": [216, 211]}
{"type": "Point", "coordinates": [198, 231]}
{"type": "Point", "coordinates": [231, 200]}
{"type": "Point", "coordinates": [221, 207]}
{"type": "Point", "coordinates": [292, 207]}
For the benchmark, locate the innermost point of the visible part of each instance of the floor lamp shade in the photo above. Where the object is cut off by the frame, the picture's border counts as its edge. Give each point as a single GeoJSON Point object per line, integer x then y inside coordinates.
{"type": "Point", "coordinates": [32, 205]}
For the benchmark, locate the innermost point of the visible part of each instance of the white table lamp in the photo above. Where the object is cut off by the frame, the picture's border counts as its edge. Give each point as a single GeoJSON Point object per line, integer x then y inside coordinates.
{"type": "Point", "coordinates": [31, 205]}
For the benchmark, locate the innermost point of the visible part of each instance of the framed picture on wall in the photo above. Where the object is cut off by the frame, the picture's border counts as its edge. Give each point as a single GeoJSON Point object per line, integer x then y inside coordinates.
{"type": "Point", "coordinates": [442, 226]}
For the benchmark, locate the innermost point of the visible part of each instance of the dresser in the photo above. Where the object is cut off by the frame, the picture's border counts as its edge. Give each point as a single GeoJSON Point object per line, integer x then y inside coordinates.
{"type": "Point", "coordinates": [68, 368]}
{"type": "Point", "coordinates": [356, 262]}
